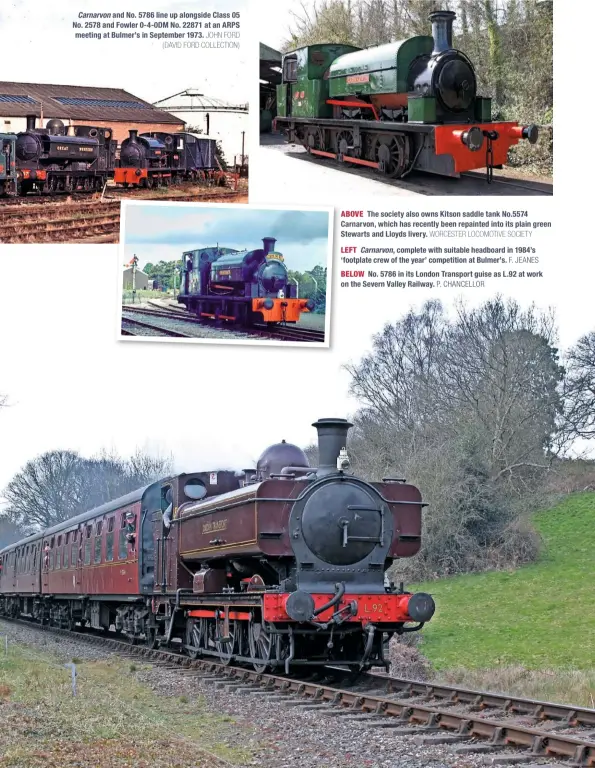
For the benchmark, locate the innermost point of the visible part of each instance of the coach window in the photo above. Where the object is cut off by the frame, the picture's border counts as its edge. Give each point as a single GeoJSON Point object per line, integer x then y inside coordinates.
{"type": "Point", "coordinates": [88, 545]}
{"type": "Point", "coordinates": [74, 549]}
{"type": "Point", "coordinates": [52, 542]}
{"type": "Point", "coordinates": [65, 562]}
{"type": "Point", "coordinates": [97, 558]}
{"type": "Point", "coordinates": [122, 543]}
{"type": "Point", "coordinates": [59, 553]}
{"type": "Point", "coordinates": [109, 540]}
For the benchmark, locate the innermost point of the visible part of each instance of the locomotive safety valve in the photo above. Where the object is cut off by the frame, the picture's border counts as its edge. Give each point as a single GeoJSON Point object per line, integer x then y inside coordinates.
{"type": "Point", "coordinates": [472, 139]}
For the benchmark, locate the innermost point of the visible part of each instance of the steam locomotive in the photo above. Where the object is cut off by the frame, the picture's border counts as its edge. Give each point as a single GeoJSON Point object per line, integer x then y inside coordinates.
{"type": "Point", "coordinates": [55, 159]}
{"type": "Point", "coordinates": [278, 566]}
{"type": "Point", "coordinates": [243, 287]}
{"type": "Point", "coordinates": [81, 158]}
{"type": "Point", "coordinates": [406, 105]}
{"type": "Point", "coordinates": [161, 159]}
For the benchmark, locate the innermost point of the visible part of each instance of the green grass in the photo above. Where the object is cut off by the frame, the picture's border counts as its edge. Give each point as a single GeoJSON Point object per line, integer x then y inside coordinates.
{"type": "Point", "coordinates": [114, 721]}
{"type": "Point", "coordinates": [539, 617]}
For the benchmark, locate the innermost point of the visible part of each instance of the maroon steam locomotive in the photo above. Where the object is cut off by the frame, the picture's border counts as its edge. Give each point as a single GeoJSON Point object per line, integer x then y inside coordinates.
{"type": "Point", "coordinates": [279, 566]}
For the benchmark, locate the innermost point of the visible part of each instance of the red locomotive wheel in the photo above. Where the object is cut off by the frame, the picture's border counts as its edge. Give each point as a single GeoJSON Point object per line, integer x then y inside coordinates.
{"type": "Point", "coordinates": [196, 634]}
{"type": "Point", "coordinates": [226, 650]}
{"type": "Point", "coordinates": [261, 645]}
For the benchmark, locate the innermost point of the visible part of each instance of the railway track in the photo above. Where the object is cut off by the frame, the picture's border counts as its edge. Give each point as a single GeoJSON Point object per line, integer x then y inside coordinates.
{"type": "Point", "coordinates": [516, 730]}
{"type": "Point", "coordinates": [133, 327]}
{"type": "Point", "coordinates": [77, 217]}
{"type": "Point", "coordinates": [293, 333]}
{"type": "Point", "coordinates": [286, 333]}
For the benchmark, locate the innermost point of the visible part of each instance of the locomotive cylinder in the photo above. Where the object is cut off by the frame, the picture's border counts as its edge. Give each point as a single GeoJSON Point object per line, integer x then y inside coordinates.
{"type": "Point", "coordinates": [442, 22]}
{"type": "Point", "coordinates": [332, 436]}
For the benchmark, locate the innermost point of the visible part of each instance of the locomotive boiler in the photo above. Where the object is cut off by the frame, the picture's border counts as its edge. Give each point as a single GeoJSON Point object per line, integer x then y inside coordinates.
{"type": "Point", "coordinates": [56, 159]}
{"type": "Point", "coordinates": [405, 105]}
{"type": "Point", "coordinates": [243, 287]}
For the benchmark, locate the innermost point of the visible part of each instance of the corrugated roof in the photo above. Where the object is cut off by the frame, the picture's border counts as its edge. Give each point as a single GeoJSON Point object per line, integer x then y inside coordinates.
{"type": "Point", "coordinates": [269, 54]}
{"type": "Point", "coordinates": [77, 102]}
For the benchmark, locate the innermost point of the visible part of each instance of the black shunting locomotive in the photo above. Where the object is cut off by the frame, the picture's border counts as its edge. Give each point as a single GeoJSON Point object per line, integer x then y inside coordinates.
{"type": "Point", "coordinates": [60, 159]}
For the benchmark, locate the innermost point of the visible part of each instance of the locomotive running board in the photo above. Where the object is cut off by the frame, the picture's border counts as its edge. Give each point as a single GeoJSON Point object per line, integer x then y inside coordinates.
{"type": "Point", "coordinates": [344, 158]}
{"type": "Point", "coordinates": [378, 125]}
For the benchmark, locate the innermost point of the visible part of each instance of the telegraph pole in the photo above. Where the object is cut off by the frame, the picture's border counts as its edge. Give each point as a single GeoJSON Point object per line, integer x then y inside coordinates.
{"type": "Point", "coordinates": [134, 263]}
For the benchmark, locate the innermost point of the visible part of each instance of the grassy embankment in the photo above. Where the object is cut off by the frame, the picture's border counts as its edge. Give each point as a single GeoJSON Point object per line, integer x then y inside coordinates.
{"type": "Point", "coordinates": [114, 721]}
{"type": "Point", "coordinates": [531, 631]}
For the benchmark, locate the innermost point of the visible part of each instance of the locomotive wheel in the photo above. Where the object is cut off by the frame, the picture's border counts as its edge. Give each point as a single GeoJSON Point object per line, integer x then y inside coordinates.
{"type": "Point", "coordinates": [261, 645]}
{"type": "Point", "coordinates": [344, 143]}
{"type": "Point", "coordinates": [196, 633]}
{"type": "Point", "coordinates": [151, 640]}
{"type": "Point", "coordinates": [52, 184]}
{"type": "Point", "coordinates": [226, 650]}
{"type": "Point", "coordinates": [87, 184]}
{"type": "Point", "coordinates": [150, 182]}
{"type": "Point", "coordinates": [393, 154]}
{"type": "Point", "coordinates": [314, 138]}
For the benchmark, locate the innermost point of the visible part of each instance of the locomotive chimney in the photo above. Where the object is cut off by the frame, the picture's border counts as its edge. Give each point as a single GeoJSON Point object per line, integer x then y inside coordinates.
{"type": "Point", "coordinates": [442, 22]}
{"type": "Point", "coordinates": [133, 134]}
{"type": "Point", "coordinates": [31, 120]}
{"type": "Point", "coordinates": [268, 244]}
{"type": "Point", "coordinates": [332, 437]}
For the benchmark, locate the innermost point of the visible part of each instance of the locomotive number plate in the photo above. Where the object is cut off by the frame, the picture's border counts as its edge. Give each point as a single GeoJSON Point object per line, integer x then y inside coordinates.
{"type": "Point", "coordinates": [216, 525]}
{"type": "Point", "coordinates": [373, 608]}
{"type": "Point", "coordinates": [357, 79]}
{"type": "Point", "coordinates": [276, 256]}
{"type": "Point", "coordinates": [225, 271]}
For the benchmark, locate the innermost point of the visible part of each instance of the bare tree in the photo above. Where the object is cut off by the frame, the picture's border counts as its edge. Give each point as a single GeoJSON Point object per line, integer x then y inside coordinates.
{"type": "Point", "coordinates": [9, 532]}
{"type": "Point", "coordinates": [58, 485]}
{"type": "Point", "coordinates": [579, 389]}
{"type": "Point", "coordinates": [468, 409]}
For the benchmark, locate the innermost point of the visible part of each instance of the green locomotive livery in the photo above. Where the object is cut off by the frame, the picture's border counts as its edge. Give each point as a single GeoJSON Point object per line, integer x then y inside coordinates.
{"type": "Point", "coordinates": [394, 107]}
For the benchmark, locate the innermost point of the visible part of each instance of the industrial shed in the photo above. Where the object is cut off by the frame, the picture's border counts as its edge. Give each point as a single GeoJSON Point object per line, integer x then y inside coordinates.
{"type": "Point", "coordinates": [270, 78]}
{"type": "Point", "coordinates": [141, 280]}
{"type": "Point", "coordinates": [81, 105]}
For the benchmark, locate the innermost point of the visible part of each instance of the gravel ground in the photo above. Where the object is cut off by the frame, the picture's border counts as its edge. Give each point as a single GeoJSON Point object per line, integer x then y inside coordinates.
{"type": "Point", "coordinates": [280, 734]}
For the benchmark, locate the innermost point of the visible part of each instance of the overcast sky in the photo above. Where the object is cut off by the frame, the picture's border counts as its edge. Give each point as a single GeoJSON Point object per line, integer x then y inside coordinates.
{"type": "Point", "coordinates": [163, 232]}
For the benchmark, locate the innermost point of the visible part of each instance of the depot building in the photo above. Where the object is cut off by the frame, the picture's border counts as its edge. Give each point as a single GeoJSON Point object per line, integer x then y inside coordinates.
{"type": "Point", "coordinates": [81, 105]}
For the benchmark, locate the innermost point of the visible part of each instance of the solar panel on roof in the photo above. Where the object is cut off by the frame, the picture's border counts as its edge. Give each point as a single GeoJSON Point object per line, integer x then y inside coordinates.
{"type": "Point", "coordinates": [73, 101]}
{"type": "Point", "coordinates": [9, 98]}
